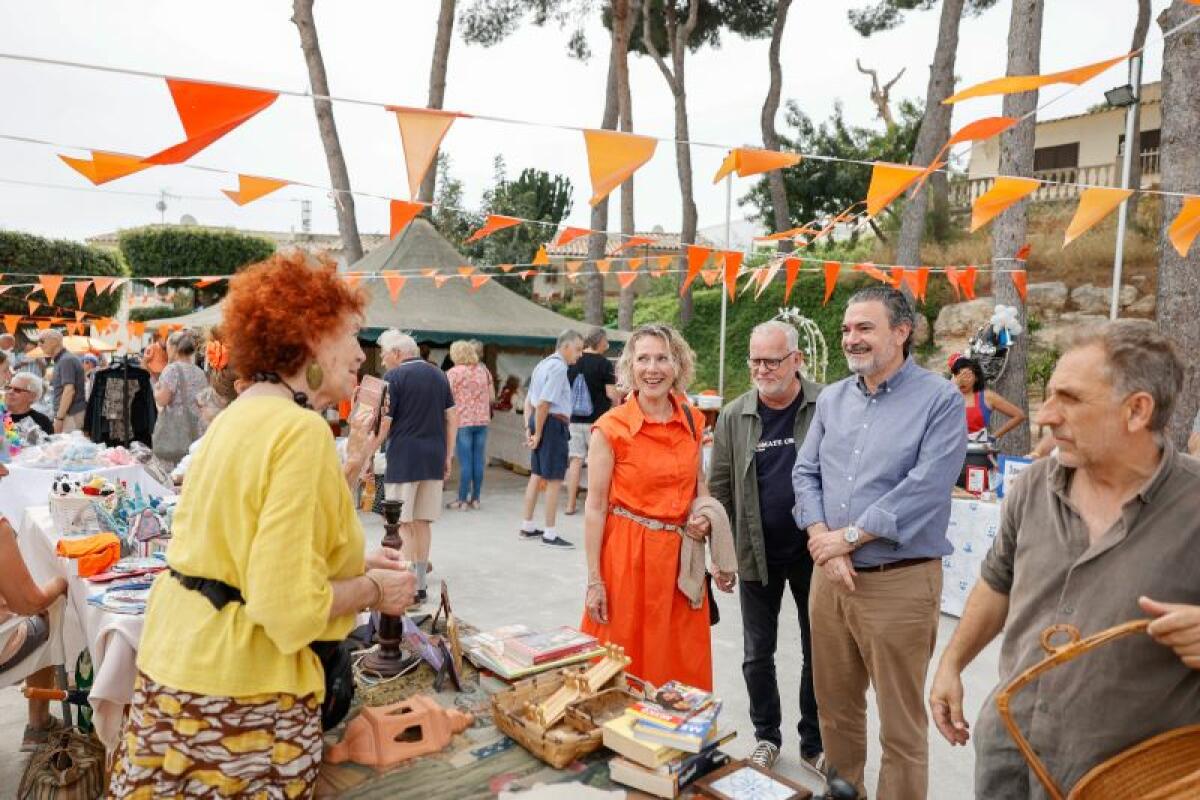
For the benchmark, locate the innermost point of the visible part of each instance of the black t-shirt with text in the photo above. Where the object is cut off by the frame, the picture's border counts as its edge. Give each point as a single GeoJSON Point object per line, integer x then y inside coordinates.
{"type": "Point", "coordinates": [774, 458]}
{"type": "Point", "coordinates": [598, 373]}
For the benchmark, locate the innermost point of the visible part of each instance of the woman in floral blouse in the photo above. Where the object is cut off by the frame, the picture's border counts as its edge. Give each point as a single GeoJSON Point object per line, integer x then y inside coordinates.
{"type": "Point", "coordinates": [473, 390]}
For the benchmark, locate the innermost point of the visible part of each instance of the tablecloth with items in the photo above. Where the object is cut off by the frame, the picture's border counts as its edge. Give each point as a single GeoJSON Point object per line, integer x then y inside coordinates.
{"type": "Point", "coordinates": [29, 486]}
{"type": "Point", "coordinates": [973, 527]}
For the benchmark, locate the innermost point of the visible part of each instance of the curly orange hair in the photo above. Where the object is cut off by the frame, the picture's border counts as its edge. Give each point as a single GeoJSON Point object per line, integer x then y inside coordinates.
{"type": "Point", "coordinates": [277, 308]}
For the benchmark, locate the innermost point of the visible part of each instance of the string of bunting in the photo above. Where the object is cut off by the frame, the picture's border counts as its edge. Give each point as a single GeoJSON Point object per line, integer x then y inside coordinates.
{"type": "Point", "coordinates": [209, 110]}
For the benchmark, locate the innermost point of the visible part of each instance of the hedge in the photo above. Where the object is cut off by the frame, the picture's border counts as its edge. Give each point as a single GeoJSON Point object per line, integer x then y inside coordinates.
{"type": "Point", "coordinates": [186, 250]}
{"type": "Point", "coordinates": [36, 255]}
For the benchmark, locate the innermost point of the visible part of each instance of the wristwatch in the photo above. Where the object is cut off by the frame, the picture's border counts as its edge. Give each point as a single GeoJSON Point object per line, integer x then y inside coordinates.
{"type": "Point", "coordinates": [852, 535]}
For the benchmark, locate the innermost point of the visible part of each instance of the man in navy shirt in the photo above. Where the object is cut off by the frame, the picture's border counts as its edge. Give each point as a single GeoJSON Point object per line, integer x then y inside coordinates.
{"type": "Point", "coordinates": [754, 448]}
{"type": "Point", "coordinates": [420, 429]}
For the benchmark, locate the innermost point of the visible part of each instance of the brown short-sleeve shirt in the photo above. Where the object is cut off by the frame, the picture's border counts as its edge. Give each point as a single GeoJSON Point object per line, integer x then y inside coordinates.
{"type": "Point", "coordinates": [1103, 702]}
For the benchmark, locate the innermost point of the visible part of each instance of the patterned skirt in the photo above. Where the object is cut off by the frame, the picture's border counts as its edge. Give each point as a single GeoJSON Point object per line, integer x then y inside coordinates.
{"type": "Point", "coordinates": [179, 744]}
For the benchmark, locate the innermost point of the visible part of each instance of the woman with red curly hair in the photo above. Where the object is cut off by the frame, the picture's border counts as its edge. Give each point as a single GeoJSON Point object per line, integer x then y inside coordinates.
{"type": "Point", "coordinates": [267, 566]}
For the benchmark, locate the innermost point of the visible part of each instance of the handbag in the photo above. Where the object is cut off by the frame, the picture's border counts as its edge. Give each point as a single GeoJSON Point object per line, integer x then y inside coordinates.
{"type": "Point", "coordinates": [70, 766]}
{"type": "Point", "coordinates": [714, 613]}
{"type": "Point", "coordinates": [177, 426]}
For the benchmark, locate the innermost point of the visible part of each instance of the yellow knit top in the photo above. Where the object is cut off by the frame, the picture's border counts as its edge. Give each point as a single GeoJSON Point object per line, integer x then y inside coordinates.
{"type": "Point", "coordinates": [265, 509]}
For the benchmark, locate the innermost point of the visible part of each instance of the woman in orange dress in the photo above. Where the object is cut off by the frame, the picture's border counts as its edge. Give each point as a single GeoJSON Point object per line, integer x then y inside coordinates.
{"type": "Point", "coordinates": [644, 468]}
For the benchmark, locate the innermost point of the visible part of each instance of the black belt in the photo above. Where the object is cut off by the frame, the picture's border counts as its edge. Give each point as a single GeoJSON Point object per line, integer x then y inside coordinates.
{"type": "Point", "coordinates": [891, 565]}
{"type": "Point", "coordinates": [219, 593]}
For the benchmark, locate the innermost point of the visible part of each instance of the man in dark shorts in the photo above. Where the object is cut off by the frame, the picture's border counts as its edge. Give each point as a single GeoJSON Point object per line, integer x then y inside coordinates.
{"type": "Point", "coordinates": [600, 391]}
{"type": "Point", "coordinates": [547, 416]}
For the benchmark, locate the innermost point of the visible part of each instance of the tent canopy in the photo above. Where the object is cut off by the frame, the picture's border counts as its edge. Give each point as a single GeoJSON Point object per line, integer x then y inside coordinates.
{"type": "Point", "coordinates": [493, 314]}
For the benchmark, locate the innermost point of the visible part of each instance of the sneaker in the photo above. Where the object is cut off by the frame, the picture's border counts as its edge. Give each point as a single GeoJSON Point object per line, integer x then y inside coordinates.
{"type": "Point", "coordinates": [558, 543]}
{"type": "Point", "coordinates": [765, 754]}
{"type": "Point", "coordinates": [34, 738]}
{"type": "Point", "coordinates": [529, 536]}
{"type": "Point", "coordinates": [817, 761]}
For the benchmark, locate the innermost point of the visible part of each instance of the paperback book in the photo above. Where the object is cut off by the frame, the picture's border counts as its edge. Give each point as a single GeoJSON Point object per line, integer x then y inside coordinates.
{"type": "Point", "coordinates": [692, 736]}
{"type": "Point", "coordinates": [673, 704]}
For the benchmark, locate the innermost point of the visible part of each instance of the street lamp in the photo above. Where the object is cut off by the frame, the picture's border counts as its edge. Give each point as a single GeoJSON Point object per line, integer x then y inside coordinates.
{"type": "Point", "coordinates": [1129, 98]}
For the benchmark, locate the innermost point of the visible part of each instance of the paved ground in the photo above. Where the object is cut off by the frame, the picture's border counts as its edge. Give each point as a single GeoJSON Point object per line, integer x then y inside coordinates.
{"type": "Point", "coordinates": [495, 579]}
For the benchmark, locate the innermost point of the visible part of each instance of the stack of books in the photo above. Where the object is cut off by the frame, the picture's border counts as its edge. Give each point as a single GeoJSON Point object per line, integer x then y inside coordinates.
{"type": "Point", "coordinates": [516, 651]}
{"type": "Point", "coordinates": [666, 743]}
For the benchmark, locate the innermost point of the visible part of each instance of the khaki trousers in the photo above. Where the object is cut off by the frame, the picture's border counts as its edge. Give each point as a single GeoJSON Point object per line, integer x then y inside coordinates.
{"type": "Point", "coordinates": [882, 634]}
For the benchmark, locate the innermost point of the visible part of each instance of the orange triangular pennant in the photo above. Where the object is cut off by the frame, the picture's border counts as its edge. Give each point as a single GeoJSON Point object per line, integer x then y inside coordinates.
{"type": "Point", "coordinates": [922, 282]}
{"type": "Point", "coordinates": [613, 157]}
{"type": "Point", "coordinates": [966, 282]}
{"type": "Point", "coordinates": [34, 305]}
{"type": "Point", "coordinates": [897, 277]}
{"type": "Point", "coordinates": [421, 132]}
{"type": "Point", "coordinates": [208, 112]}
{"type": "Point", "coordinates": [117, 283]}
{"type": "Point", "coordinates": [1025, 83]}
{"type": "Point", "coordinates": [1095, 204]}
{"type": "Point", "coordinates": [1023, 252]}
{"type": "Point", "coordinates": [102, 284]}
{"type": "Point", "coordinates": [1004, 192]}
{"type": "Point", "coordinates": [952, 277]}
{"type": "Point", "coordinates": [751, 161]}
{"type": "Point", "coordinates": [493, 223]}
{"type": "Point", "coordinates": [1019, 278]}
{"type": "Point", "coordinates": [541, 258]}
{"type": "Point", "coordinates": [626, 278]}
{"type": "Point", "coordinates": [505, 267]}
{"type": "Point", "coordinates": [465, 270]}
{"type": "Point", "coordinates": [569, 235]}
{"type": "Point", "coordinates": [1185, 226]}
{"type": "Point", "coordinates": [709, 276]}
{"type": "Point", "coordinates": [42, 324]}
{"type": "Point", "coordinates": [888, 181]}
{"type": "Point", "coordinates": [574, 266]}
{"type": "Point", "coordinates": [158, 281]}
{"type": "Point", "coordinates": [635, 264]}
{"type": "Point", "coordinates": [874, 271]}
{"type": "Point", "coordinates": [395, 283]}
{"type": "Point", "coordinates": [479, 280]}
{"type": "Point", "coordinates": [352, 279]}
{"type": "Point", "coordinates": [402, 212]}
{"type": "Point", "coordinates": [252, 187]}
{"type": "Point", "coordinates": [633, 241]}
{"type": "Point", "coordinates": [137, 329]}
{"type": "Point", "coordinates": [792, 266]}
{"type": "Point", "coordinates": [603, 265]}
{"type": "Point", "coordinates": [81, 288]}
{"type": "Point", "coordinates": [103, 324]}
{"type": "Point", "coordinates": [832, 268]}
{"type": "Point", "coordinates": [696, 256]}
{"type": "Point", "coordinates": [733, 265]}
{"type": "Point", "coordinates": [50, 284]}
{"type": "Point", "coordinates": [104, 167]}
{"type": "Point", "coordinates": [11, 321]}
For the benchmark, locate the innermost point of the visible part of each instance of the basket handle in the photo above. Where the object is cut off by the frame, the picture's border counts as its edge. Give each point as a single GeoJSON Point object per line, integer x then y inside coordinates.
{"type": "Point", "coordinates": [1056, 654]}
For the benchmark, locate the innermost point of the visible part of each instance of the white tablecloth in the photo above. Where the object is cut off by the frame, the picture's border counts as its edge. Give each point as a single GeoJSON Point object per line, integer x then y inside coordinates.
{"type": "Point", "coordinates": [973, 526]}
{"type": "Point", "coordinates": [30, 486]}
{"type": "Point", "coordinates": [506, 439]}
{"type": "Point", "coordinates": [111, 638]}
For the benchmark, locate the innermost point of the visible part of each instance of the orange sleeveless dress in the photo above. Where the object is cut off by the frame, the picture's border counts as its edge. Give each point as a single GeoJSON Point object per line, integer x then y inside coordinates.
{"type": "Point", "coordinates": [654, 475]}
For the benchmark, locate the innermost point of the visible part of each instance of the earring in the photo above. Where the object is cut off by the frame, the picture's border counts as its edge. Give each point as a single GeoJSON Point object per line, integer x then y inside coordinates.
{"type": "Point", "coordinates": [314, 376]}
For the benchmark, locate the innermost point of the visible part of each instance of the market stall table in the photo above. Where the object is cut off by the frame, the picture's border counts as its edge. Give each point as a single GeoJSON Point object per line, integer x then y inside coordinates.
{"type": "Point", "coordinates": [28, 486]}
{"type": "Point", "coordinates": [973, 526]}
{"type": "Point", "coordinates": [111, 638]}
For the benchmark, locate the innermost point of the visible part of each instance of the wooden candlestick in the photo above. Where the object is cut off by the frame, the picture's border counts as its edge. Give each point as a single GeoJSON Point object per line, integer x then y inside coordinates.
{"type": "Point", "coordinates": [389, 659]}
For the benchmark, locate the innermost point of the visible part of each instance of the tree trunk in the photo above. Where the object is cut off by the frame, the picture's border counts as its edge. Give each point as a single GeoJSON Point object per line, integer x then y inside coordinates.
{"type": "Point", "coordinates": [683, 155]}
{"type": "Point", "coordinates": [437, 85]}
{"type": "Point", "coordinates": [775, 184]}
{"type": "Point", "coordinates": [302, 16]}
{"type": "Point", "coordinates": [1179, 277]}
{"type": "Point", "coordinates": [623, 13]}
{"type": "Point", "coordinates": [1140, 29]}
{"type": "Point", "coordinates": [935, 131]}
{"type": "Point", "coordinates": [593, 299]}
{"type": "Point", "coordinates": [1009, 230]}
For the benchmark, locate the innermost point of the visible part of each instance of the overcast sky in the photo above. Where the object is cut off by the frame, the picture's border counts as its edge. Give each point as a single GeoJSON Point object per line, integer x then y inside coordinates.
{"type": "Point", "coordinates": [380, 50]}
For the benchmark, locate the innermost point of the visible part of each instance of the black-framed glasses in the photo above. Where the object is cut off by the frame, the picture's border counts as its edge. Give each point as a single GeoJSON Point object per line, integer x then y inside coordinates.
{"type": "Point", "coordinates": [769, 364]}
{"type": "Point", "coordinates": [18, 389]}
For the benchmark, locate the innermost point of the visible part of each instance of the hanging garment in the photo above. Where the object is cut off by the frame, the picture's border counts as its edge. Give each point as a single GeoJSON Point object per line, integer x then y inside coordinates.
{"type": "Point", "coordinates": [121, 408]}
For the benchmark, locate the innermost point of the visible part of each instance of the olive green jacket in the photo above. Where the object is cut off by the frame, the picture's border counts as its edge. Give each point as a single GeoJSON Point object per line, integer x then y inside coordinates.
{"type": "Point", "coordinates": [732, 478]}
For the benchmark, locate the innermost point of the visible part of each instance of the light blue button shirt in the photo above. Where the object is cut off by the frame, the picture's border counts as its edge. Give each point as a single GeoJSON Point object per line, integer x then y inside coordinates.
{"type": "Point", "coordinates": [549, 383]}
{"type": "Point", "coordinates": [886, 462]}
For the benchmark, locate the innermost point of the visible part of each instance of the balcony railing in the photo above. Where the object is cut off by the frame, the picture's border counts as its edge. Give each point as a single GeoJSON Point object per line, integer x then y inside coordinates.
{"type": "Point", "coordinates": [965, 191]}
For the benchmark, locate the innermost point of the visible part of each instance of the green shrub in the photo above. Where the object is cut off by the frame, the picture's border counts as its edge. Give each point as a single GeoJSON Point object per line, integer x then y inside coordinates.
{"type": "Point", "coordinates": [23, 256]}
{"type": "Point", "coordinates": [148, 313]}
{"type": "Point", "coordinates": [190, 251]}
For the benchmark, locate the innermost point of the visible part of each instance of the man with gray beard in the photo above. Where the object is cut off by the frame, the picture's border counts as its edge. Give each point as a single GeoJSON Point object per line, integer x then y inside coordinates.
{"type": "Point", "coordinates": [873, 482]}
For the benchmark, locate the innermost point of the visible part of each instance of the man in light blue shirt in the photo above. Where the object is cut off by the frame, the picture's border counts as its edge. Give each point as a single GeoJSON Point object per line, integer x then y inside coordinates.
{"type": "Point", "coordinates": [548, 419]}
{"type": "Point", "coordinates": [872, 484]}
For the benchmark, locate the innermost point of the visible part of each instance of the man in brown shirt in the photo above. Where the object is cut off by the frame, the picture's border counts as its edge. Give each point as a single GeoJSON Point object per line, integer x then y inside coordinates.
{"type": "Point", "coordinates": [1087, 539]}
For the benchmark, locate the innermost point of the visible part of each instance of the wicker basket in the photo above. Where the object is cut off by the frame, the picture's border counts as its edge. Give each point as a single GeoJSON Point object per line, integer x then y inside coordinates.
{"type": "Point", "coordinates": [590, 713]}
{"type": "Point", "coordinates": [559, 745]}
{"type": "Point", "coordinates": [1165, 767]}
{"type": "Point", "coordinates": [74, 514]}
